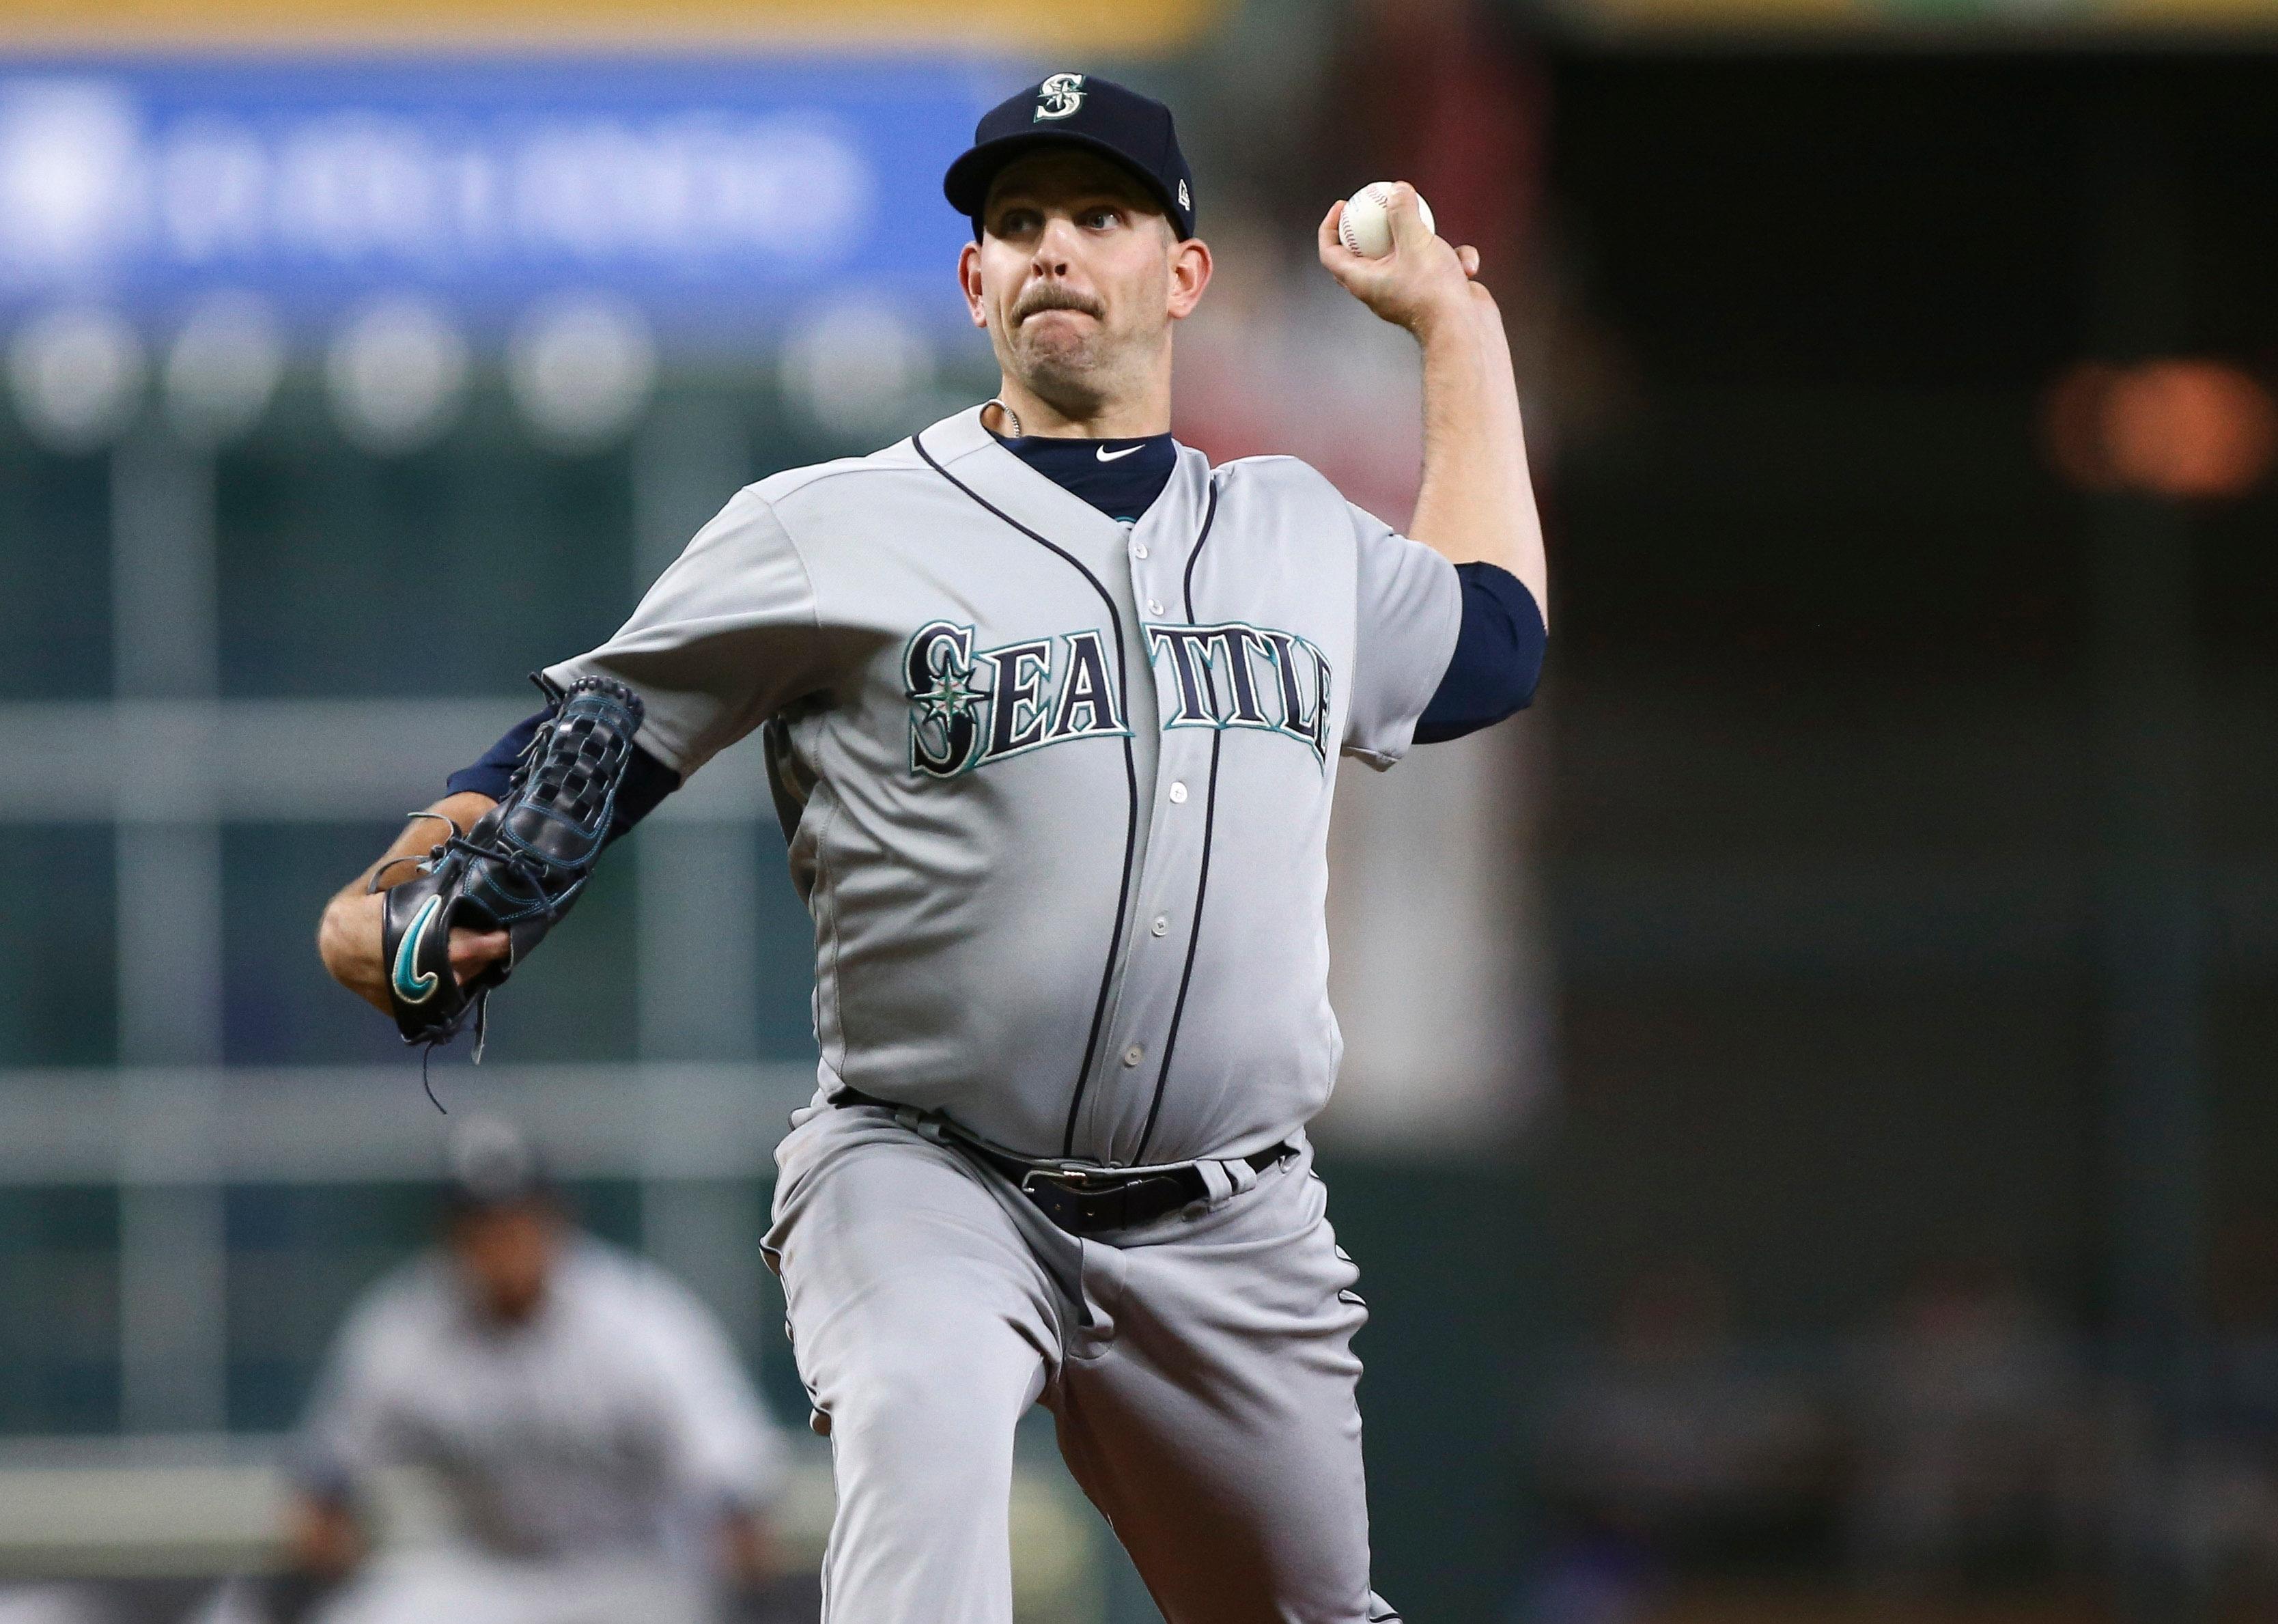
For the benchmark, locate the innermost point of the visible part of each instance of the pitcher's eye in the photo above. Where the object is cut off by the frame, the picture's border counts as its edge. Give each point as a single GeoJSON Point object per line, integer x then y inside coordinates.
{"type": "Point", "coordinates": [1102, 219]}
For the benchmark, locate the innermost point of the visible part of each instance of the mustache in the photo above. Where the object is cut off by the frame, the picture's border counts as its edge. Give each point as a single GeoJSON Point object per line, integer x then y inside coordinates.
{"type": "Point", "coordinates": [1055, 296]}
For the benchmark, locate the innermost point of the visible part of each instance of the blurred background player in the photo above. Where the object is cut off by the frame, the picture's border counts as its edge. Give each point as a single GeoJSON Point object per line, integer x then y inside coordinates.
{"type": "Point", "coordinates": [598, 1452]}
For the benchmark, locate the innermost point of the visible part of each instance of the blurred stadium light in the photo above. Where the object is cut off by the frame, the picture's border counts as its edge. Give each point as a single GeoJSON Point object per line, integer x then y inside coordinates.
{"type": "Point", "coordinates": [223, 368]}
{"type": "Point", "coordinates": [76, 372]}
{"type": "Point", "coordinates": [398, 375]}
{"type": "Point", "coordinates": [2176, 428]}
{"type": "Point", "coordinates": [582, 369]}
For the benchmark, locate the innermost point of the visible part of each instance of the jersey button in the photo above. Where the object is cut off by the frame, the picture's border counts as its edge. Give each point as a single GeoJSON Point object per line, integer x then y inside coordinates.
{"type": "Point", "coordinates": [1178, 794]}
{"type": "Point", "coordinates": [1162, 925]}
{"type": "Point", "coordinates": [1139, 550]}
{"type": "Point", "coordinates": [1154, 607]}
{"type": "Point", "coordinates": [1132, 1055]}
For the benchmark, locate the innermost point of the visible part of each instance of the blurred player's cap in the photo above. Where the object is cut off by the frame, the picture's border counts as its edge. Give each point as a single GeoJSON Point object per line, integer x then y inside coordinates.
{"type": "Point", "coordinates": [488, 1163]}
{"type": "Point", "coordinates": [1077, 109]}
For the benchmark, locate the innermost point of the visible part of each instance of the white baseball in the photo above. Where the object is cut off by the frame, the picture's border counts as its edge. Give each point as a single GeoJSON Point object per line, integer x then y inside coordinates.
{"type": "Point", "coordinates": [1366, 229]}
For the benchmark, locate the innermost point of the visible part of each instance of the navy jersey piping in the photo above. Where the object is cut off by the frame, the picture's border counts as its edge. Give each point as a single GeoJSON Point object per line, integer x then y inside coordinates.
{"type": "Point", "coordinates": [1130, 773]}
{"type": "Point", "coordinates": [1202, 879]}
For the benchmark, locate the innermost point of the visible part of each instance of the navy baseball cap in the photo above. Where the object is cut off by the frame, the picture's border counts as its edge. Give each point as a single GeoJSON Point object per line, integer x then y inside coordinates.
{"type": "Point", "coordinates": [1076, 110]}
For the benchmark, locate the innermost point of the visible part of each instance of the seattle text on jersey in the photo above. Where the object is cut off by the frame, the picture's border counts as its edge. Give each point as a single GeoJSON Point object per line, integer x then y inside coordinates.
{"type": "Point", "coordinates": [969, 706]}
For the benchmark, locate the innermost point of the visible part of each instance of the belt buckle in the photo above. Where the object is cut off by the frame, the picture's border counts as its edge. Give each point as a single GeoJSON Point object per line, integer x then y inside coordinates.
{"type": "Point", "coordinates": [1060, 1201]}
{"type": "Point", "coordinates": [1074, 1181]}
{"type": "Point", "coordinates": [1070, 1196]}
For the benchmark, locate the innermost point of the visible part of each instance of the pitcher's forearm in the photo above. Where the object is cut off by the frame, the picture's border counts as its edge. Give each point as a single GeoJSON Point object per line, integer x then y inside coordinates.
{"type": "Point", "coordinates": [347, 940]}
{"type": "Point", "coordinates": [1478, 497]}
{"type": "Point", "coordinates": [349, 935]}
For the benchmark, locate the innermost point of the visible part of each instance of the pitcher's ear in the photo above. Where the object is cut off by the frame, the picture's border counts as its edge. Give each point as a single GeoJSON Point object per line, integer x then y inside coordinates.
{"type": "Point", "coordinates": [1190, 274]}
{"type": "Point", "coordinates": [968, 282]}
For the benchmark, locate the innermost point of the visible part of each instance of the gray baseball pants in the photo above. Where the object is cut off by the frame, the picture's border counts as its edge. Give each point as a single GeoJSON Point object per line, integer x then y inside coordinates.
{"type": "Point", "coordinates": [1200, 1370]}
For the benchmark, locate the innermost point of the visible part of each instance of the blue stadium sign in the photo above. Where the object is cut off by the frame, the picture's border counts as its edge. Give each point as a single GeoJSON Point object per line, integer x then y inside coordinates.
{"type": "Point", "coordinates": [718, 197]}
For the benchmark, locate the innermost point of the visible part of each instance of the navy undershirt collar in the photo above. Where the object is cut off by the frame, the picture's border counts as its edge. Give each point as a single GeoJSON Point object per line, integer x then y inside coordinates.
{"type": "Point", "coordinates": [1121, 478]}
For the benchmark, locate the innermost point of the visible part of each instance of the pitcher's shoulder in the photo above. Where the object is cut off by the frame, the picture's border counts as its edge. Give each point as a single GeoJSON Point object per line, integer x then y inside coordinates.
{"type": "Point", "coordinates": [874, 474]}
{"type": "Point", "coordinates": [1280, 494]}
{"type": "Point", "coordinates": [1273, 475]}
{"type": "Point", "coordinates": [813, 502]}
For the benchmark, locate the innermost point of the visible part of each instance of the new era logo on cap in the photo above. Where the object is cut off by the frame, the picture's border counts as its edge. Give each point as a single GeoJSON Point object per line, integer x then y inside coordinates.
{"type": "Point", "coordinates": [1058, 96]}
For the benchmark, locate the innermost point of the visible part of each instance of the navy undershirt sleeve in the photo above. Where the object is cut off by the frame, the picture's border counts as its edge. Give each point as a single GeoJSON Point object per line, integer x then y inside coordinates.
{"type": "Point", "coordinates": [1498, 656]}
{"type": "Point", "coordinates": [647, 780]}
{"type": "Point", "coordinates": [490, 775]}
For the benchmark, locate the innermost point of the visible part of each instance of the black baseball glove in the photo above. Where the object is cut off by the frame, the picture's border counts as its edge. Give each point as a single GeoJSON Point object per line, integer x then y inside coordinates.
{"type": "Point", "coordinates": [517, 869]}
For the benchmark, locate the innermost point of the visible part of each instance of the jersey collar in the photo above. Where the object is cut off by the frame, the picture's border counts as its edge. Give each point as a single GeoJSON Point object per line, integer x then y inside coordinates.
{"type": "Point", "coordinates": [1168, 529]}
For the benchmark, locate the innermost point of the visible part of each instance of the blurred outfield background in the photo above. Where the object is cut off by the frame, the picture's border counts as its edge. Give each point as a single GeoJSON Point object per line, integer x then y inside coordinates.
{"type": "Point", "coordinates": [1808, 1120]}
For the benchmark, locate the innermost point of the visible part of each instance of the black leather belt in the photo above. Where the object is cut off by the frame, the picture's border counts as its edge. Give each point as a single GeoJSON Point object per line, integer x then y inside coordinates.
{"type": "Point", "coordinates": [1095, 1200]}
{"type": "Point", "coordinates": [1086, 1200]}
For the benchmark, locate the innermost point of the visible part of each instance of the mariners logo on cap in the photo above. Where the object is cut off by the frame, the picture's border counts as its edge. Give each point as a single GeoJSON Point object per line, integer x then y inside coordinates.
{"type": "Point", "coordinates": [1058, 96]}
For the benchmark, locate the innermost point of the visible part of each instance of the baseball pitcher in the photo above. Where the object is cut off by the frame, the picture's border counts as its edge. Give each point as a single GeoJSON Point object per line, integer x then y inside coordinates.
{"type": "Point", "coordinates": [1054, 710]}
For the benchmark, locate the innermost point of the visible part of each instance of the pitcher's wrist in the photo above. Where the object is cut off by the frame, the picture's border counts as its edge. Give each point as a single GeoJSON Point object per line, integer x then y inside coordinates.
{"type": "Point", "coordinates": [1457, 333]}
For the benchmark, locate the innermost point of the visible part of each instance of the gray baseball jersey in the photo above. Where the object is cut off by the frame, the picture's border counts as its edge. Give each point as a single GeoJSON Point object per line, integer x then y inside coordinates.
{"type": "Point", "coordinates": [1058, 787]}
{"type": "Point", "coordinates": [615, 1423]}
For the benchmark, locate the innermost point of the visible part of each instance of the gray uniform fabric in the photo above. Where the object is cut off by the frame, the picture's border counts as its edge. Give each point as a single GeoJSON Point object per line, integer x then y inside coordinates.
{"type": "Point", "coordinates": [1061, 786]}
{"type": "Point", "coordinates": [1200, 1370]}
{"type": "Point", "coordinates": [1057, 791]}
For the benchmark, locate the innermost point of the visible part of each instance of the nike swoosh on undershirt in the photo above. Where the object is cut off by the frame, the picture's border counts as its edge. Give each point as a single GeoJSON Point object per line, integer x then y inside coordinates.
{"type": "Point", "coordinates": [1105, 455]}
